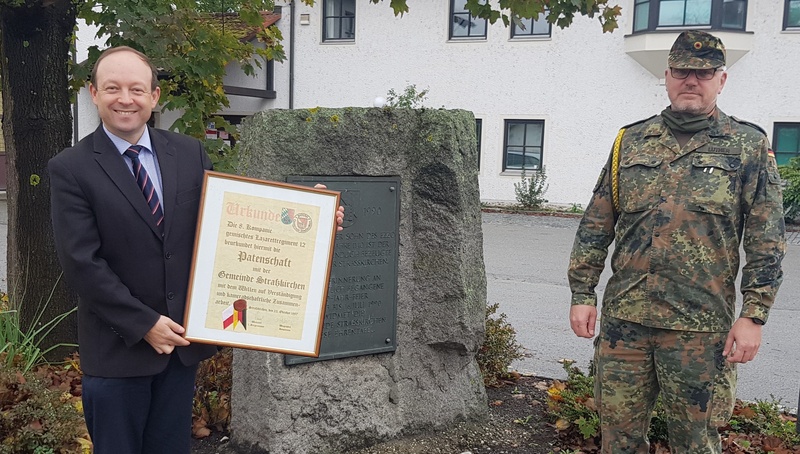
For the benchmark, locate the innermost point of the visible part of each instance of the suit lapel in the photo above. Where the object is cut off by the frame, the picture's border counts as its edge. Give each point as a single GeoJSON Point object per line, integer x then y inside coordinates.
{"type": "Point", "coordinates": [168, 162]}
{"type": "Point", "coordinates": [109, 158]}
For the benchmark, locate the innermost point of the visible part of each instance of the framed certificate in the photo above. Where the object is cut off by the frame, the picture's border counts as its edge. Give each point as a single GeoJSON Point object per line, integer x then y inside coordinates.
{"type": "Point", "coordinates": [261, 265]}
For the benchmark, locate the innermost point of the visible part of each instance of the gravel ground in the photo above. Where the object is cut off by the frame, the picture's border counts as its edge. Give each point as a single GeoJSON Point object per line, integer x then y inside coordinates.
{"type": "Point", "coordinates": [517, 424]}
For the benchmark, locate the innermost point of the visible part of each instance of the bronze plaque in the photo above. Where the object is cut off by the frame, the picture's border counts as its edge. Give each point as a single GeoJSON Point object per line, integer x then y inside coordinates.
{"type": "Point", "coordinates": [361, 309]}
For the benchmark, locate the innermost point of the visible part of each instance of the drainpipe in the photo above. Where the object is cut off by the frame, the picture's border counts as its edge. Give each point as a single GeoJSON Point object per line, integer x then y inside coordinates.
{"type": "Point", "coordinates": [291, 55]}
{"type": "Point", "coordinates": [75, 129]}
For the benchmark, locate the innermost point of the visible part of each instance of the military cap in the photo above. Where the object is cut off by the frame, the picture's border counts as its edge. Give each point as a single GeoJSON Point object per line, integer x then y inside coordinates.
{"type": "Point", "coordinates": [695, 49]}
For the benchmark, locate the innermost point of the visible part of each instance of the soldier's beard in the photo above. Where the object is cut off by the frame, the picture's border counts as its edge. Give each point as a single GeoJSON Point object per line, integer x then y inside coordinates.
{"type": "Point", "coordinates": [690, 108]}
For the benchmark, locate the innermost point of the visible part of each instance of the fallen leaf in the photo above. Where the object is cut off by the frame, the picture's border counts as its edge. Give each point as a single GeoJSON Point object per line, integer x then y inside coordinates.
{"type": "Point", "coordinates": [771, 443]}
{"type": "Point", "coordinates": [201, 432]}
{"type": "Point", "coordinates": [746, 412]}
{"type": "Point", "coordinates": [562, 424]}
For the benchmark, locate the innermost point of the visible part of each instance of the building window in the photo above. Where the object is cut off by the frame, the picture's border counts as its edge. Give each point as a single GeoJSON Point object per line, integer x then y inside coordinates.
{"type": "Point", "coordinates": [340, 20]}
{"type": "Point", "coordinates": [791, 14]}
{"type": "Point", "coordinates": [650, 15]}
{"type": "Point", "coordinates": [523, 144]}
{"type": "Point", "coordinates": [464, 25]}
{"type": "Point", "coordinates": [786, 142]}
{"type": "Point", "coordinates": [531, 27]}
{"type": "Point", "coordinates": [218, 132]}
{"type": "Point", "coordinates": [478, 128]}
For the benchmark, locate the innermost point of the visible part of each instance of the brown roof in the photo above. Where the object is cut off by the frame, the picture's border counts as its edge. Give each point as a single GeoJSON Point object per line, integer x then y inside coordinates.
{"type": "Point", "coordinates": [231, 23]}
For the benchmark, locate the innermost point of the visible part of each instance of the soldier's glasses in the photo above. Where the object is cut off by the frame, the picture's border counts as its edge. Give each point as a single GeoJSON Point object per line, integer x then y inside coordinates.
{"type": "Point", "coordinates": [701, 74]}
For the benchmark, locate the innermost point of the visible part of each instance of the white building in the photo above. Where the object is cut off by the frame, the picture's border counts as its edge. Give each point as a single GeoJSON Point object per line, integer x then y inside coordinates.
{"type": "Point", "coordinates": [573, 88]}
{"type": "Point", "coordinates": [542, 96]}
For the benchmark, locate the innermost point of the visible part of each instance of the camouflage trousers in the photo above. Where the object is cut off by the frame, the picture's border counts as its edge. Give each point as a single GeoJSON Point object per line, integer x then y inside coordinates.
{"type": "Point", "coordinates": [634, 364]}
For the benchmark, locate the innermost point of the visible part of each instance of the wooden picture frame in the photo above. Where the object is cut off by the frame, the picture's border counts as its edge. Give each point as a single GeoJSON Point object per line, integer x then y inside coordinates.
{"type": "Point", "coordinates": [261, 265]}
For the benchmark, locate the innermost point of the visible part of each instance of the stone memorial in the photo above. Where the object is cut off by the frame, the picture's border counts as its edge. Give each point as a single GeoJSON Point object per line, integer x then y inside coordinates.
{"type": "Point", "coordinates": [431, 378]}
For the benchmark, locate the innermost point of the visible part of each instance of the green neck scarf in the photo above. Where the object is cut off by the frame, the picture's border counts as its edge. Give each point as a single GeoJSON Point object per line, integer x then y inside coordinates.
{"type": "Point", "coordinates": [684, 123]}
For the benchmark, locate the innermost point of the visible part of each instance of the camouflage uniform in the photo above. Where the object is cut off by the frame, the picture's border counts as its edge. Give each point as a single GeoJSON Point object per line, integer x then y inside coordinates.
{"type": "Point", "coordinates": [684, 212]}
{"type": "Point", "coordinates": [670, 302]}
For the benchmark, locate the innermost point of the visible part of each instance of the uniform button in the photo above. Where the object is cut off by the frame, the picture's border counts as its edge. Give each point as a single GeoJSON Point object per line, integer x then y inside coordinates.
{"type": "Point", "coordinates": [170, 296]}
{"type": "Point", "coordinates": [168, 255]}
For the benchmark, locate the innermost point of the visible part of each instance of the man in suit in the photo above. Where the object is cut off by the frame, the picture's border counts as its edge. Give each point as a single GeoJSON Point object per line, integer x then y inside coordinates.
{"type": "Point", "coordinates": [125, 202]}
{"type": "Point", "coordinates": [129, 266]}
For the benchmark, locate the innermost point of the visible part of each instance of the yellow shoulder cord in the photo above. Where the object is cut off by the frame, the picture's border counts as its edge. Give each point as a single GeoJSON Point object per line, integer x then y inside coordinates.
{"type": "Point", "coordinates": [615, 170]}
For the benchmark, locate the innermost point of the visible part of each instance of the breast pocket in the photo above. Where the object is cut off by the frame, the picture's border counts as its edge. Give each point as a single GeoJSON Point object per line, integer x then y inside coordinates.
{"type": "Point", "coordinates": [639, 183]}
{"type": "Point", "coordinates": [189, 195]}
{"type": "Point", "coordinates": [714, 183]}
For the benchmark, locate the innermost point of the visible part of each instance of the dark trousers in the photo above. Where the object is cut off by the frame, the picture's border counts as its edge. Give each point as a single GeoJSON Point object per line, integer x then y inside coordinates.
{"type": "Point", "coordinates": [141, 415]}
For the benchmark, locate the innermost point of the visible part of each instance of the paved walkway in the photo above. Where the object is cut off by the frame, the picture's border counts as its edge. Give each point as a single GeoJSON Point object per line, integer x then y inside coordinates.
{"type": "Point", "coordinates": [526, 269]}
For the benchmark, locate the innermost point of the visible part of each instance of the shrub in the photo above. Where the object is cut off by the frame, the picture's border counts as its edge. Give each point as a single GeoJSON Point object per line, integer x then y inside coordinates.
{"type": "Point", "coordinates": [759, 426]}
{"type": "Point", "coordinates": [766, 419]}
{"type": "Point", "coordinates": [499, 349]}
{"type": "Point", "coordinates": [36, 417]}
{"type": "Point", "coordinates": [790, 173]}
{"type": "Point", "coordinates": [530, 190]}
{"type": "Point", "coordinates": [223, 157]}
{"type": "Point", "coordinates": [571, 403]}
{"type": "Point", "coordinates": [212, 403]}
{"type": "Point", "coordinates": [410, 98]}
{"type": "Point", "coordinates": [22, 348]}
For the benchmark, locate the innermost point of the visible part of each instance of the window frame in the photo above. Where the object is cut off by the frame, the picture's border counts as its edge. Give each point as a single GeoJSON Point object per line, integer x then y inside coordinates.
{"type": "Point", "coordinates": [542, 17]}
{"type": "Point", "coordinates": [776, 128]}
{"type": "Point", "coordinates": [716, 18]}
{"type": "Point", "coordinates": [786, 10]}
{"type": "Point", "coordinates": [507, 123]}
{"type": "Point", "coordinates": [469, 36]}
{"type": "Point", "coordinates": [340, 17]}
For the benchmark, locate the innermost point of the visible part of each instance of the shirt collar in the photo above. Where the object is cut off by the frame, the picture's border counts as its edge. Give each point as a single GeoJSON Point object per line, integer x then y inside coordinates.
{"type": "Point", "coordinates": [123, 144]}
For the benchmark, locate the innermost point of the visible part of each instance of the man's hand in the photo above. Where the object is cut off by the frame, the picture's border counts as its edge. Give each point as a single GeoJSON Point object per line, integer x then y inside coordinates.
{"type": "Point", "coordinates": [743, 341]}
{"type": "Point", "coordinates": [339, 212]}
{"type": "Point", "coordinates": [165, 335]}
{"type": "Point", "coordinates": [582, 319]}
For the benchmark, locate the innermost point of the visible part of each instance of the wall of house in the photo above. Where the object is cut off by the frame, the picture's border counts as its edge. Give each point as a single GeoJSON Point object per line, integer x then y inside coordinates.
{"type": "Point", "coordinates": [580, 81]}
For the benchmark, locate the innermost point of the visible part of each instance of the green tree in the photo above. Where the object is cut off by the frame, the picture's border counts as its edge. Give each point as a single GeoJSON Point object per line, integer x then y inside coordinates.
{"type": "Point", "coordinates": [34, 63]}
{"type": "Point", "coordinates": [35, 40]}
{"type": "Point", "coordinates": [559, 12]}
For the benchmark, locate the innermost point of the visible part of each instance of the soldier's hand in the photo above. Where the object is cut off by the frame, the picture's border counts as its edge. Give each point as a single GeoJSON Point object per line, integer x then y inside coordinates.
{"type": "Point", "coordinates": [582, 319]}
{"type": "Point", "coordinates": [743, 341]}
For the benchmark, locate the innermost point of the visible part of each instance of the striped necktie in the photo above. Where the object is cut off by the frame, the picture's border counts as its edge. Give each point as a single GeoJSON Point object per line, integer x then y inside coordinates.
{"type": "Point", "coordinates": [143, 180]}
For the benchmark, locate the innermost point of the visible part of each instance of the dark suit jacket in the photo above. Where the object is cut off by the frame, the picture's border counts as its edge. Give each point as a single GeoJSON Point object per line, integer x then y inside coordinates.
{"type": "Point", "coordinates": [125, 273]}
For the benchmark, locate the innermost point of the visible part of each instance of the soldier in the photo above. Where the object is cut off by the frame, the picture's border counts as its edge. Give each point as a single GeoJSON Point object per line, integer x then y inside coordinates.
{"type": "Point", "coordinates": [680, 193]}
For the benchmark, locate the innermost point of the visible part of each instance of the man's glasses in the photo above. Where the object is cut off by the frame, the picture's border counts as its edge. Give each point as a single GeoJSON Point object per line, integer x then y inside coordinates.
{"type": "Point", "coordinates": [701, 74]}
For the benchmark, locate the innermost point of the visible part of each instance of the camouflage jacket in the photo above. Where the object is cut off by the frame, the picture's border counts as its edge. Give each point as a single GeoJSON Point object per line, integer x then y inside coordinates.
{"type": "Point", "coordinates": [683, 215]}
